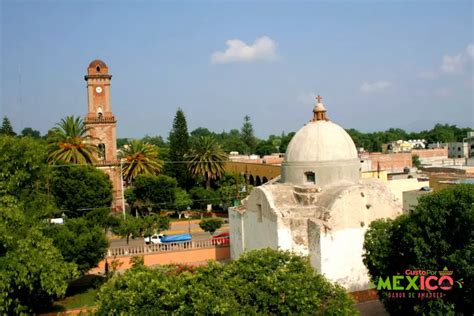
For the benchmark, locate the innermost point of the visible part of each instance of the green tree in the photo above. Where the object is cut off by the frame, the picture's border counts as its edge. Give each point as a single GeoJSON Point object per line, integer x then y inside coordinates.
{"type": "Point", "coordinates": [415, 160]}
{"type": "Point", "coordinates": [182, 201]}
{"type": "Point", "coordinates": [6, 128]}
{"type": "Point", "coordinates": [122, 141]}
{"type": "Point", "coordinates": [232, 187]}
{"type": "Point", "coordinates": [285, 140]}
{"type": "Point", "coordinates": [210, 225]}
{"type": "Point", "coordinates": [276, 142]}
{"type": "Point", "coordinates": [202, 197]}
{"type": "Point", "coordinates": [24, 175]}
{"type": "Point", "coordinates": [79, 189]}
{"type": "Point", "coordinates": [284, 283]}
{"type": "Point", "coordinates": [102, 217]}
{"type": "Point", "coordinates": [131, 198]}
{"type": "Point", "coordinates": [198, 133]}
{"type": "Point", "coordinates": [28, 131]}
{"type": "Point", "coordinates": [32, 270]}
{"type": "Point", "coordinates": [442, 133]}
{"type": "Point", "coordinates": [438, 233]}
{"type": "Point", "coordinates": [71, 143]}
{"type": "Point", "coordinates": [129, 227]}
{"type": "Point", "coordinates": [179, 146]}
{"type": "Point", "coordinates": [232, 141]}
{"type": "Point", "coordinates": [248, 136]}
{"type": "Point", "coordinates": [261, 282]}
{"type": "Point", "coordinates": [81, 242]}
{"type": "Point", "coordinates": [156, 192]}
{"type": "Point", "coordinates": [154, 224]}
{"type": "Point", "coordinates": [265, 147]}
{"type": "Point", "coordinates": [207, 159]}
{"type": "Point", "coordinates": [139, 158]}
{"type": "Point", "coordinates": [155, 140]}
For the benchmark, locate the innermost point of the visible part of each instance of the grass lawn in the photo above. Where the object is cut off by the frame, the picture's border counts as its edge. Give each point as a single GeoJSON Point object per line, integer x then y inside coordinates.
{"type": "Point", "coordinates": [80, 293]}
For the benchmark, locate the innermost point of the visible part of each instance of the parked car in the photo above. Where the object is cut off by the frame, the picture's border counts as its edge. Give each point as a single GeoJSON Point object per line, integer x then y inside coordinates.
{"type": "Point", "coordinates": [163, 239]}
{"type": "Point", "coordinates": [153, 239]}
{"type": "Point", "coordinates": [221, 239]}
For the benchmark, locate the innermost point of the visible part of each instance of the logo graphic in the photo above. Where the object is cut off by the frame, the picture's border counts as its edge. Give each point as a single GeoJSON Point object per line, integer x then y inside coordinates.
{"type": "Point", "coordinates": [417, 284]}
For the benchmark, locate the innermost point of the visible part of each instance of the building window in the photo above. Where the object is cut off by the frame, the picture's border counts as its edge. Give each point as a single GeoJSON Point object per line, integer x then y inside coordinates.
{"type": "Point", "coordinates": [98, 69]}
{"type": "Point", "coordinates": [310, 177]}
{"type": "Point", "coordinates": [101, 151]}
{"type": "Point", "coordinates": [100, 115]}
{"type": "Point", "coordinates": [459, 148]}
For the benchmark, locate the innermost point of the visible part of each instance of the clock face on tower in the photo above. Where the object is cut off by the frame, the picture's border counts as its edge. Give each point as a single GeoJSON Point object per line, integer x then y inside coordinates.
{"type": "Point", "coordinates": [98, 89]}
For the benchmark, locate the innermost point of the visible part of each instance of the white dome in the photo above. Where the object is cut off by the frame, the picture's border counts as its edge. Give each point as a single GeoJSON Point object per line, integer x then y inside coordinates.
{"type": "Point", "coordinates": [320, 141]}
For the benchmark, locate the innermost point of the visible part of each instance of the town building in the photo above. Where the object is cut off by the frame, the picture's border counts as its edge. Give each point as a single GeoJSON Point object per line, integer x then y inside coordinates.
{"type": "Point", "coordinates": [403, 146]}
{"type": "Point", "coordinates": [458, 150]}
{"type": "Point", "coordinates": [319, 207]}
{"type": "Point", "coordinates": [464, 149]}
{"type": "Point", "coordinates": [102, 126]}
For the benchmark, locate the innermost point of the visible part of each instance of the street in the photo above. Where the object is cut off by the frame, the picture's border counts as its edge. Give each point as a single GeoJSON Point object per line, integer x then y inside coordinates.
{"type": "Point", "coordinates": [176, 228]}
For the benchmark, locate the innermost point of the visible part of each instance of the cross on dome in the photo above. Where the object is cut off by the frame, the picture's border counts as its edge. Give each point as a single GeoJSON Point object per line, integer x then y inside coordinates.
{"type": "Point", "coordinates": [319, 111]}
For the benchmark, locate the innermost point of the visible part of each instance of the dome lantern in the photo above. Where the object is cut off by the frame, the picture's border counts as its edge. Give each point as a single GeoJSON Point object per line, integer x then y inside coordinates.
{"type": "Point", "coordinates": [319, 111]}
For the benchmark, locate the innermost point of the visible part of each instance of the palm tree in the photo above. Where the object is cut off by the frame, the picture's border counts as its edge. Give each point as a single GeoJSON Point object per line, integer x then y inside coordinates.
{"type": "Point", "coordinates": [207, 159]}
{"type": "Point", "coordinates": [139, 158]}
{"type": "Point", "coordinates": [70, 142]}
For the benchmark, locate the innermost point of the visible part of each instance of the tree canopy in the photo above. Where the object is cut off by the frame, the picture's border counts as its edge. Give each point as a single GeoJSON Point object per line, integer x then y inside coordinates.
{"type": "Point", "coordinates": [438, 233]}
{"type": "Point", "coordinates": [28, 131]}
{"type": "Point", "coordinates": [32, 270]}
{"type": "Point", "coordinates": [206, 159]}
{"type": "Point", "coordinates": [79, 189]}
{"type": "Point", "coordinates": [79, 241]}
{"type": "Point", "coordinates": [7, 128]}
{"type": "Point", "coordinates": [140, 158]}
{"type": "Point", "coordinates": [178, 148]}
{"type": "Point", "coordinates": [248, 136]}
{"type": "Point", "coordinates": [71, 143]}
{"type": "Point", "coordinates": [155, 192]}
{"type": "Point", "coordinates": [211, 224]}
{"type": "Point", "coordinates": [262, 281]}
{"type": "Point", "coordinates": [24, 174]}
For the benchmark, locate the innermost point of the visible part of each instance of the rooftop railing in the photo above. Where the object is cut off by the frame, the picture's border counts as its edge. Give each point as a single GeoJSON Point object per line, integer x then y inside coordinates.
{"type": "Point", "coordinates": [168, 247]}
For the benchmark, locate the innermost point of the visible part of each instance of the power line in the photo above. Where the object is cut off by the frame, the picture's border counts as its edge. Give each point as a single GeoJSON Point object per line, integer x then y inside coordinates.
{"type": "Point", "coordinates": [164, 161]}
{"type": "Point", "coordinates": [151, 204]}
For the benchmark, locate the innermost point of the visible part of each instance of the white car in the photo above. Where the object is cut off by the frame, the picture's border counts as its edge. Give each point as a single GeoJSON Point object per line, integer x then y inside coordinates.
{"type": "Point", "coordinates": [153, 239]}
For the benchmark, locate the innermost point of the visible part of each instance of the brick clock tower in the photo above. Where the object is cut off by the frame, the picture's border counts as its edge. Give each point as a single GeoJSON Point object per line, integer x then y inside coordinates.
{"type": "Point", "coordinates": [102, 126]}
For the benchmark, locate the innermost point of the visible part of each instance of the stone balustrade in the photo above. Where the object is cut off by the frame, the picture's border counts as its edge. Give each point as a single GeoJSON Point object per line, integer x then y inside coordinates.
{"type": "Point", "coordinates": [104, 119]}
{"type": "Point", "coordinates": [168, 247]}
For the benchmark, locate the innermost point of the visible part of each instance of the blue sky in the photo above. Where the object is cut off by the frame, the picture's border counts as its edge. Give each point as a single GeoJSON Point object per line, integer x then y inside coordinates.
{"type": "Point", "coordinates": [377, 64]}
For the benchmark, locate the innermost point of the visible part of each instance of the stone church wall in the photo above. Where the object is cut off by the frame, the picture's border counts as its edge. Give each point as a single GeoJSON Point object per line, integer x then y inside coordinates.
{"type": "Point", "coordinates": [341, 259]}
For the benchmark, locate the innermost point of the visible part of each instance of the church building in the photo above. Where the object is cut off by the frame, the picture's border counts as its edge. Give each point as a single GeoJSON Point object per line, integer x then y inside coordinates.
{"type": "Point", "coordinates": [103, 125]}
{"type": "Point", "coordinates": [319, 207]}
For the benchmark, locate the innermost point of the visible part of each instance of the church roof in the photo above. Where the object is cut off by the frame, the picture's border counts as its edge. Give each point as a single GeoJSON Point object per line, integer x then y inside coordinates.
{"type": "Point", "coordinates": [320, 140]}
{"type": "Point", "coordinates": [96, 63]}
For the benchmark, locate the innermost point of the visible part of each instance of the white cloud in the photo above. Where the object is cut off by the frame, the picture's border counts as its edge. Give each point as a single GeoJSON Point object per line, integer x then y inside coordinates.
{"type": "Point", "coordinates": [470, 50]}
{"type": "Point", "coordinates": [457, 63]}
{"type": "Point", "coordinates": [376, 86]}
{"type": "Point", "coordinates": [453, 64]}
{"type": "Point", "coordinates": [263, 49]}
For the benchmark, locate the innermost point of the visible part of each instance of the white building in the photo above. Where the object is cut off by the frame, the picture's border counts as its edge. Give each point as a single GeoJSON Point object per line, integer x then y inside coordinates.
{"type": "Point", "coordinates": [320, 206]}
{"type": "Point", "coordinates": [458, 150]}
